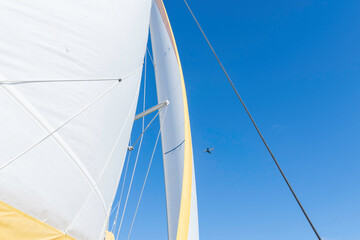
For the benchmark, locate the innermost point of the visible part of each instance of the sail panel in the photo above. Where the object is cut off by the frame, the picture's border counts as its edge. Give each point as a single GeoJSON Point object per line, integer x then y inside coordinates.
{"type": "Point", "coordinates": [64, 130]}
{"type": "Point", "coordinates": [175, 130]}
{"type": "Point", "coordinates": [15, 224]}
{"type": "Point", "coordinates": [72, 39]}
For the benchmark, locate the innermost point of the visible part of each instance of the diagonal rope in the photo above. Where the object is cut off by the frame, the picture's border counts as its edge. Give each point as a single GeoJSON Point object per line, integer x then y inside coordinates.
{"type": "Point", "coordinates": [143, 187]}
{"type": "Point", "coordinates": [117, 206]}
{"type": "Point", "coordinates": [138, 152]}
{"type": "Point", "coordinates": [70, 119]}
{"type": "Point", "coordinates": [150, 56]}
{"type": "Point", "coordinates": [129, 189]}
{"type": "Point", "coordinates": [144, 97]}
{"type": "Point", "coordinates": [146, 127]}
{"type": "Point", "coordinates": [121, 193]}
{"type": "Point", "coordinates": [145, 90]}
{"type": "Point", "coordinates": [127, 164]}
{"type": "Point", "coordinates": [59, 127]}
{"type": "Point", "coordinates": [253, 122]}
{"type": "Point", "coordinates": [147, 173]}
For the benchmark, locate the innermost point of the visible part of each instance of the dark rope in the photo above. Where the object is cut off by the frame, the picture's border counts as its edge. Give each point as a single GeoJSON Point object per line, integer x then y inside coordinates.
{"type": "Point", "coordinates": [253, 122]}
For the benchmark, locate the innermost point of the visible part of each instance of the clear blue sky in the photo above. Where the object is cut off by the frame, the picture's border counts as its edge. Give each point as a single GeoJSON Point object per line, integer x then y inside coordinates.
{"type": "Point", "coordinates": [296, 63]}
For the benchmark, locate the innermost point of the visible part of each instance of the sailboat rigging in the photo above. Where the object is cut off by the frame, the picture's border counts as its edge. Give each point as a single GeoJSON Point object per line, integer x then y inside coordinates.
{"type": "Point", "coordinates": [254, 124]}
{"type": "Point", "coordinates": [69, 93]}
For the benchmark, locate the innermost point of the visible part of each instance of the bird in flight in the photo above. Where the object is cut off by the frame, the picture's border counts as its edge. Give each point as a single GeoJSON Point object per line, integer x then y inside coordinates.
{"type": "Point", "coordinates": [209, 150]}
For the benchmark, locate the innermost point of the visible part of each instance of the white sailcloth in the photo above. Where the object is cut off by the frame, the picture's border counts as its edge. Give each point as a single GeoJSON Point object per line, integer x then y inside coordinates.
{"type": "Point", "coordinates": [175, 130]}
{"type": "Point", "coordinates": [65, 118]}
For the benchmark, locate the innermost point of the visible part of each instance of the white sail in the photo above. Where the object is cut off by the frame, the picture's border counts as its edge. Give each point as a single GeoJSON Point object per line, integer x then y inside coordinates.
{"type": "Point", "coordinates": [175, 130]}
{"type": "Point", "coordinates": [65, 118]}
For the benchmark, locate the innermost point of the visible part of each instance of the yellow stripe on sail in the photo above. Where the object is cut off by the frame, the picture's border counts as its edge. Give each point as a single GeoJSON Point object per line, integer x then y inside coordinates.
{"type": "Point", "coordinates": [17, 225]}
{"type": "Point", "coordinates": [184, 216]}
{"type": "Point", "coordinates": [109, 236]}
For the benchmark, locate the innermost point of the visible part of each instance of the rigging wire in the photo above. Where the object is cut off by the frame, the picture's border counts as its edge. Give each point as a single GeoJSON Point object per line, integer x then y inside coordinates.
{"type": "Point", "coordinates": [143, 187]}
{"type": "Point", "coordinates": [140, 137]}
{"type": "Point", "coordinates": [129, 189]}
{"type": "Point", "coordinates": [253, 122]}
{"type": "Point", "coordinates": [150, 56]}
{"type": "Point", "coordinates": [127, 164]}
{"type": "Point", "coordinates": [117, 206]}
{"type": "Point", "coordinates": [137, 155]}
{"type": "Point", "coordinates": [147, 173]}
{"type": "Point", "coordinates": [61, 126]}
{"type": "Point", "coordinates": [70, 119]}
{"type": "Point", "coordinates": [144, 97]}
{"type": "Point", "coordinates": [59, 81]}
{"type": "Point", "coordinates": [121, 193]}
{"type": "Point", "coordinates": [12, 82]}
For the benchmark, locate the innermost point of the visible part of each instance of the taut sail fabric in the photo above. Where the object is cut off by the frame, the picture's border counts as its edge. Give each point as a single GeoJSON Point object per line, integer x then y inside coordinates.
{"type": "Point", "coordinates": [175, 130]}
{"type": "Point", "coordinates": [65, 118]}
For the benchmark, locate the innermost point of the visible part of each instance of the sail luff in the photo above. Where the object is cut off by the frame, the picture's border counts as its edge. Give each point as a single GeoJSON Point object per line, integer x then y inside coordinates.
{"type": "Point", "coordinates": [184, 216]}
{"type": "Point", "coordinates": [166, 68]}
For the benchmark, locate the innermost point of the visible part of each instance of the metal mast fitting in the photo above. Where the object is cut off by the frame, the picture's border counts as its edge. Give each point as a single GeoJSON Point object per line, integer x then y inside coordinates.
{"type": "Point", "coordinates": [152, 109]}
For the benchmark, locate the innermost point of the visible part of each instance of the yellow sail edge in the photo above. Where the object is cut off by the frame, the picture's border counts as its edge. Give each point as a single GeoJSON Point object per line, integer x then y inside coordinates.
{"type": "Point", "coordinates": [17, 225]}
{"type": "Point", "coordinates": [184, 215]}
{"type": "Point", "coordinates": [109, 236]}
